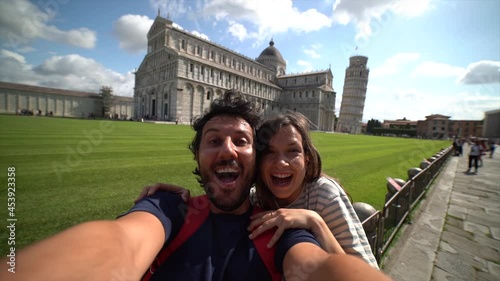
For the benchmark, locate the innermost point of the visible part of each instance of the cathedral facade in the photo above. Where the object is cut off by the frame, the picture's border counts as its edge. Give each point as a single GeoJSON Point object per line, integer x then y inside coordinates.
{"type": "Point", "coordinates": [182, 73]}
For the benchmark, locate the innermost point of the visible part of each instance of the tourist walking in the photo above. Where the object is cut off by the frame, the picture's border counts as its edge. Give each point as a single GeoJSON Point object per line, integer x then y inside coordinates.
{"type": "Point", "coordinates": [475, 153]}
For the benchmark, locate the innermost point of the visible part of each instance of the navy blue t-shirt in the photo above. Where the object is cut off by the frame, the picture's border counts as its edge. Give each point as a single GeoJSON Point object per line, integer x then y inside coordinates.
{"type": "Point", "coordinates": [219, 250]}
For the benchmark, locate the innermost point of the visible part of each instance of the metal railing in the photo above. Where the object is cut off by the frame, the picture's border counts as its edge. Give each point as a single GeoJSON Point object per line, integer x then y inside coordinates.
{"type": "Point", "coordinates": [382, 226]}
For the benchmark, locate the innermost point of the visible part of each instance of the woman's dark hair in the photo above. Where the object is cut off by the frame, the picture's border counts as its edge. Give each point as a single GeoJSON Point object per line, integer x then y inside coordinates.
{"type": "Point", "coordinates": [233, 103]}
{"type": "Point", "coordinates": [265, 133]}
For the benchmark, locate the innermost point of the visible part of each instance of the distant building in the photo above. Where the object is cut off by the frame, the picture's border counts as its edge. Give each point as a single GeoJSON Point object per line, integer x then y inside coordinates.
{"type": "Point", "coordinates": [435, 126]}
{"type": "Point", "coordinates": [465, 128]}
{"type": "Point", "coordinates": [399, 124]}
{"type": "Point", "coordinates": [354, 95]}
{"type": "Point", "coordinates": [25, 99]}
{"type": "Point", "coordinates": [491, 126]}
{"type": "Point", "coordinates": [182, 73]}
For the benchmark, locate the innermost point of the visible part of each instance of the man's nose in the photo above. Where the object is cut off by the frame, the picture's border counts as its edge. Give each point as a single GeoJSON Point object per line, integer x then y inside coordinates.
{"type": "Point", "coordinates": [228, 149]}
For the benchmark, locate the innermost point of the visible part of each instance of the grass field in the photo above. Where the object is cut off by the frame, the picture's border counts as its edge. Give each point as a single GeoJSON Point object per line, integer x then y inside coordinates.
{"type": "Point", "coordinates": [72, 170]}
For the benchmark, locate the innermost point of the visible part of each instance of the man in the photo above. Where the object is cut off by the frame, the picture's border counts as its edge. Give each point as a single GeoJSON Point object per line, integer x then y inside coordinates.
{"type": "Point", "coordinates": [124, 249]}
{"type": "Point", "coordinates": [474, 155]}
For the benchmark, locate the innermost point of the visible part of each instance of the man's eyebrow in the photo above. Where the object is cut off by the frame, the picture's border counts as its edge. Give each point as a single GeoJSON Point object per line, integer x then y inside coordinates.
{"type": "Point", "coordinates": [216, 130]}
{"type": "Point", "coordinates": [211, 130]}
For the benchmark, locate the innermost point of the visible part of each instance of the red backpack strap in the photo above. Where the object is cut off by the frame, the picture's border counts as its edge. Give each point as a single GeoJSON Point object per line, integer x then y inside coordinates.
{"type": "Point", "coordinates": [197, 213]}
{"type": "Point", "coordinates": [266, 254]}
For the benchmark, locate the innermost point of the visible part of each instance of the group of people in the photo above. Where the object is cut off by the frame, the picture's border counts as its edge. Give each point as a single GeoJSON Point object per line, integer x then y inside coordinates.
{"type": "Point", "coordinates": [32, 112]}
{"type": "Point", "coordinates": [263, 184]}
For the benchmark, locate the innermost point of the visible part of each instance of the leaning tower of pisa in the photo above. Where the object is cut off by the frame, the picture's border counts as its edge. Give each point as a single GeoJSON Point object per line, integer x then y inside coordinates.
{"type": "Point", "coordinates": [354, 95]}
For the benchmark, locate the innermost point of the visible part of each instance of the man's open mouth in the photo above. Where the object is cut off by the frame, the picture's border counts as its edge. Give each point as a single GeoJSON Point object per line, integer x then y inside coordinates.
{"type": "Point", "coordinates": [227, 175]}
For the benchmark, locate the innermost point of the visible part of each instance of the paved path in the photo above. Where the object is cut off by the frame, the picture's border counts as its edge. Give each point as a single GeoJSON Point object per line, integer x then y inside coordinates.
{"type": "Point", "coordinates": [455, 234]}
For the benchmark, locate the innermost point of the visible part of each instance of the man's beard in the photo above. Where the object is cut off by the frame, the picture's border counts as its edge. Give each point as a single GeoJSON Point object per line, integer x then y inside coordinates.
{"type": "Point", "coordinates": [224, 205]}
{"type": "Point", "coordinates": [227, 201]}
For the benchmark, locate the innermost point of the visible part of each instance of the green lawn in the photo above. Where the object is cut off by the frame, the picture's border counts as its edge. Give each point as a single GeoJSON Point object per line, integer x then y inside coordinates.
{"type": "Point", "coordinates": [72, 170]}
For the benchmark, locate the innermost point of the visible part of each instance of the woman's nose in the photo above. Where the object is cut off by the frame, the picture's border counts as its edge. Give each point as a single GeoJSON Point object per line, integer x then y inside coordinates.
{"type": "Point", "coordinates": [280, 159]}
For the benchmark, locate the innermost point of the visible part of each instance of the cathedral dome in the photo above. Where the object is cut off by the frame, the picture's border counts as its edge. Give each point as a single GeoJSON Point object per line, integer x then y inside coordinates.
{"type": "Point", "coordinates": [271, 53]}
{"type": "Point", "coordinates": [272, 57]}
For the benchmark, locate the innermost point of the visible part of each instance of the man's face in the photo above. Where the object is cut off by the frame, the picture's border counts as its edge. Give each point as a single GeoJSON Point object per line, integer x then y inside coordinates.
{"type": "Point", "coordinates": [226, 160]}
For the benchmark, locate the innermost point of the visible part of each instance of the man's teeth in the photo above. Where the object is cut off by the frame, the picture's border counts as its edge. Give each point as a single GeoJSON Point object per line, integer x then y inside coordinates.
{"type": "Point", "coordinates": [281, 175]}
{"type": "Point", "coordinates": [227, 170]}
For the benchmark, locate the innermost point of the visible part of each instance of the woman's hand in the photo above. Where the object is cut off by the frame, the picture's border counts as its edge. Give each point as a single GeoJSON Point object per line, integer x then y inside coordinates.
{"type": "Point", "coordinates": [294, 218]}
{"type": "Point", "coordinates": [151, 189]}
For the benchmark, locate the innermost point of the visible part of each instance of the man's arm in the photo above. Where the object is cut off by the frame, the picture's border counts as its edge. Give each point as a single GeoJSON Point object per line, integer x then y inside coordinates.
{"type": "Point", "coordinates": [100, 250]}
{"type": "Point", "coordinates": [307, 261]}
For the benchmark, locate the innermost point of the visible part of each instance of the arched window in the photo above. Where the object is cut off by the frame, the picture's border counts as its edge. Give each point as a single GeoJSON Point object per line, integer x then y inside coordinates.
{"type": "Point", "coordinates": [165, 96]}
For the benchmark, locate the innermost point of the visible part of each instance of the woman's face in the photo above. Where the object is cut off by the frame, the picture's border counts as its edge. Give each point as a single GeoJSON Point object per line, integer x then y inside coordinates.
{"type": "Point", "coordinates": [283, 166]}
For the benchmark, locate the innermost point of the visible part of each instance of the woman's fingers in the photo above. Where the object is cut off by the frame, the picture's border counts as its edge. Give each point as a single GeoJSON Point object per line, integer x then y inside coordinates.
{"type": "Point", "coordinates": [258, 219]}
{"type": "Point", "coordinates": [276, 236]}
{"type": "Point", "coordinates": [144, 192]}
{"type": "Point", "coordinates": [152, 189]}
{"type": "Point", "coordinates": [278, 221]}
{"type": "Point", "coordinates": [265, 226]}
{"type": "Point", "coordinates": [185, 195]}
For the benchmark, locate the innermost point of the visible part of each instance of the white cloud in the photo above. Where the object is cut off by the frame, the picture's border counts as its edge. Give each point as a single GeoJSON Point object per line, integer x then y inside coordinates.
{"type": "Point", "coordinates": [15, 56]}
{"type": "Point", "coordinates": [169, 7]}
{"type": "Point", "coordinates": [264, 18]}
{"type": "Point", "coordinates": [394, 64]}
{"type": "Point", "coordinates": [21, 21]}
{"type": "Point", "coordinates": [306, 66]}
{"type": "Point", "coordinates": [238, 30]}
{"type": "Point", "coordinates": [365, 13]}
{"type": "Point", "coordinates": [201, 35]}
{"type": "Point", "coordinates": [131, 31]}
{"type": "Point", "coordinates": [481, 72]}
{"type": "Point", "coordinates": [387, 103]}
{"type": "Point", "coordinates": [436, 69]}
{"type": "Point", "coordinates": [312, 51]}
{"type": "Point", "coordinates": [64, 72]}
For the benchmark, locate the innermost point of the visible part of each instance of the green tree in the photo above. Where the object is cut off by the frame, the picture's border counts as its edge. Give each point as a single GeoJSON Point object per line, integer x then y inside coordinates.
{"type": "Point", "coordinates": [107, 99]}
{"type": "Point", "coordinates": [372, 123]}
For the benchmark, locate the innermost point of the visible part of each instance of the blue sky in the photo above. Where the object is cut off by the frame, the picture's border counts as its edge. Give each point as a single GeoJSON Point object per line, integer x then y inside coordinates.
{"type": "Point", "coordinates": [425, 56]}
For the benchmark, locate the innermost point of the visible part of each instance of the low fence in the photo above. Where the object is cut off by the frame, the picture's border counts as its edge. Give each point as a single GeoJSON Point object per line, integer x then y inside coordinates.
{"type": "Point", "coordinates": [382, 226]}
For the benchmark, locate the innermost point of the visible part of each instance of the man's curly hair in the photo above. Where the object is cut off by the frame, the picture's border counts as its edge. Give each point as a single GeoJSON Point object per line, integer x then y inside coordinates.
{"type": "Point", "coordinates": [233, 103]}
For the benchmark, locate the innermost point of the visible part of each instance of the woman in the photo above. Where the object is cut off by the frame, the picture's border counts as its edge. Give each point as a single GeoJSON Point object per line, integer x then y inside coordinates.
{"type": "Point", "coordinates": [290, 181]}
{"type": "Point", "coordinates": [291, 186]}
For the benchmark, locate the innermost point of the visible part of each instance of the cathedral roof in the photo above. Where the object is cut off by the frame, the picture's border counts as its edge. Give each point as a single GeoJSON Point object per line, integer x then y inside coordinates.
{"type": "Point", "coordinates": [271, 53]}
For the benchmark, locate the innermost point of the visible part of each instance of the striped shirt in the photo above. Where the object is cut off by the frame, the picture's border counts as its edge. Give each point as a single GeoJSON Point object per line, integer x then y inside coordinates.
{"type": "Point", "coordinates": [328, 199]}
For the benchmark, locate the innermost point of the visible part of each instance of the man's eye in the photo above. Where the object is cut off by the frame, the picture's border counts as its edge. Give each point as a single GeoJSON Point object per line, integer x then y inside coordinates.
{"type": "Point", "coordinates": [241, 142]}
{"type": "Point", "coordinates": [213, 141]}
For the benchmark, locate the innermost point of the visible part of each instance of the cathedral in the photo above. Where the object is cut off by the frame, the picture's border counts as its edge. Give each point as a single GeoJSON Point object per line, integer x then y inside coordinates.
{"type": "Point", "coordinates": [181, 74]}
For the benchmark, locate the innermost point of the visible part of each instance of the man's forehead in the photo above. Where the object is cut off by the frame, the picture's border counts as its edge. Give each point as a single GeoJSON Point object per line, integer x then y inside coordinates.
{"type": "Point", "coordinates": [224, 122]}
